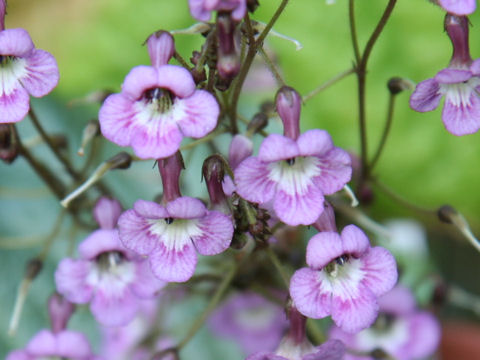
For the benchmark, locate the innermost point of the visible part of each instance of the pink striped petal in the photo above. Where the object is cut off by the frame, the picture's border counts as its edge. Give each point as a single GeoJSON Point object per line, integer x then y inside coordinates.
{"type": "Point", "coordinates": [186, 208]}
{"type": "Point", "coordinates": [177, 79]}
{"type": "Point", "coordinates": [426, 96]}
{"type": "Point", "coordinates": [200, 114]}
{"type": "Point", "coordinates": [336, 171]}
{"type": "Point", "coordinates": [252, 180]}
{"type": "Point", "coordinates": [217, 232]}
{"type": "Point", "coordinates": [146, 285]}
{"type": "Point", "coordinates": [150, 210]}
{"type": "Point", "coordinates": [323, 248]}
{"type": "Point", "coordinates": [116, 119]}
{"type": "Point", "coordinates": [277, 147]}
{"type": "Point", "coordinates": [15, 42]}
{"type": "Point", "coordinates": [139, 79]}
{"type": "Point", "coordinates": [355, 314]}
{"type": "Point", "coordinates": [299, 209]}
{"type": "Point", "coordinates": [354, 241]}
{"type": "Point", "coordinates": [41, 75]}
{"type": "Point", "coordinates": [14, 106]}
{"type": "Point", "coordinates": [306, 290]}
{"type": "Point", "coordinates": [70, 280]}
{"type": "Point", "coordinates": [73, 344]}
{"type": "Point", "coordinates": [314, 143]}
{"type": "Point", "coordinates": [172, 265]}
{"type": "Point", "coordinates": [462, 119]}
{"type": "Point", "coordinates": [135, 233]}
{"type": "Point", "coordinates": [452, 76]}
{"type": "Point", "coordinates": [43, 343]}
{"type": "Point", "coordinates": [115, 309]}
{"type": "Point", "coordinates": [98, 242]}
{"type": "Point", "coordinates": [380, 270]}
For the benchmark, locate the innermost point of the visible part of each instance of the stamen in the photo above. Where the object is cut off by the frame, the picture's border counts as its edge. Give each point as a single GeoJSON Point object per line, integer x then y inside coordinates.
{"type": "Point", "coordinates": [290, 161]}
{"type": "Point", "coordinates": [341, 260]}
{"type": "Point", "coordinates": [162, 98]}
{"type": "Point", "coordinates": [169, 220]}
{"type": "Point", "coordinates": [109, 259]}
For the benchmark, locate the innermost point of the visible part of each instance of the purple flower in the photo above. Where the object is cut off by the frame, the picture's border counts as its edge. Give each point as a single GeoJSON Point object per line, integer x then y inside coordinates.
{"type": "Point", "coordinates": [459, 83]}
{"type": "Point", "coordinates": [295, 174]}
{"type": "Point", "coordinates": [64, 344]}
{"type": "Point", "coordinates": [107, 275]}
{"type": "Point", "coordinates": [401, 330]}
{"type": "Point", "coordinates": [24, 71]}
{"type": "Point", "coordinates": [158, 105]}
{"type": "Point", "coordinates": [344, 279]}
{"type": "Point", "coordinates": [458, 7]}
{"type": "Point", "coordinates": [202, 9]}
{"type": "Point", "coordinates": [247, 318]}
{"type": "Point", "coordinates": [171, 235]}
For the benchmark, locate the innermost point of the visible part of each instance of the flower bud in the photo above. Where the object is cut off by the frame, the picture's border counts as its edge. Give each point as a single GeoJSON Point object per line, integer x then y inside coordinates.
{"type": "Point", "coordinates": [161, 47]}
{"type": "Point", "coordinates": [170, 169]}
{"type": "Point", "coordinates": [258, 123]}
{"type": "Point", "coordinates": [288, 103]}
{"type": "Point", "coordinates": [457, 30]}
{"type": "Point", "coordinates": [397, 84]}
{"type": "Point", "coordinates": [8, 143]}
{"type": "Point", "coordinates": [60, 311]}
{"type": "Point", "coordinates": [252, 5]}
{"type": "Point", "coordinates": [213, 171]}
{"type": "Point", "coordinates": [326, 221]}
{"type": "Point", "coordinates": [228, 54]}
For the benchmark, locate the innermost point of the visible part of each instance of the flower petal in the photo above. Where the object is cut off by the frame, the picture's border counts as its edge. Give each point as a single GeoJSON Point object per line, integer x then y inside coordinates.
{"type": "Point", "coordinates": [135, 233]}
{"type": "Point", "coordinates": [323, 248]}
{"type": "Point", "coordinates": [174, 265]}
{"type": "Point", "coordinates": [355, 314]}
{"type": "Point", "coordinates": [72, 344]}
{"type": "Point", "coordinates": [177, 79]}
{"type": "Point", "coordinates": [459, 7]}
{"type": "Point", "coordinates": [354, 241]}
{"type": "Point", "coordinates": [186, 208]}
{"type": "Point", "coordinates": [106, 212]}
{"type": "Point", "coordinates": [199, 115]}
{"type": "Point", "coordinates": [14, 106]}
{"type": "Point", "coordinates": [116, 119]}
{"type": "Point", "coordinates": [217, 233]}
{"type": "Point", "coordinates": [462, 119]}
{"type": "Point", "coordinates": [41, 75]}
{"type": "Point", "coordinates": [426, 96]}
{"type": "Point", "coordinates": [146, 285]}
{"type": "Point", "coordinates": [161, 48]}
{"type": "Point", "coordinates": [114, 309]}
{"type": "Point", "coordinates": [139, 79]}
{"type": "Point", "coordinates": [308, 294]}
{"type": "Point", "coordinates": [265, 355]}
{"type": "Point", "coordinates": [299, 209]}
{"type": "Point", "coordinates": [18, 355]}
{"type": "Point", "coordinates": [452, 76]}
{"type": "Point", "coordinates": [425, 334]}
{"type": "Point", "coordinates": [314, 143]}
{"type": "Point", "coordinates": [398, 301]}
{"type": "Point", "coordinates": [70, 279]}
{"type": "Point", "coordinates": [240, 148]}
{"type": "Point", "coordinates": [150, 210]}
{"type": "Point", "coordinates": [335, 171]}
{"type": "Point", "coordinates": [252, 180]}
{"type": "Point", "coordinates": [98, 242]}
{"type": "Point", "coordinates": [329, 350]}
{"type": "Point", "coordinates": [380, 270]}
{"type": "Point", "coordinates": [15, 42]}
{"type": "Point", "coordinates": [43, 343]}
{"type": "Point", "coordinates": [277, 147]}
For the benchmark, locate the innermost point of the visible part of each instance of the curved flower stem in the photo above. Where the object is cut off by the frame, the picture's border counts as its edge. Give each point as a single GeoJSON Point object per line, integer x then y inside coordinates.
{"type": "Point", "coordinates": [181, 60]}
{"type": "Point", "coordinates": [386, 131]}
{"type": "Point", "coordinates": [327, 84]}
{"type": "Point", "coordinates": [272, 67]}
{"type": "Point", "coordinates": [353, 30]}
{"type": "Point", "coordinates": [278, 266]}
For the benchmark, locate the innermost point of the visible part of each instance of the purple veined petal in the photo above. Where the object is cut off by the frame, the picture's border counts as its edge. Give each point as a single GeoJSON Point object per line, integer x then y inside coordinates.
{"type": "Point", "coordinates": [199, 115]}
{"type": "Point", "coordinates": [252, 181]}
{"type": "Point", "coordinates": [459, 7]}
{"type": "Point", "coordinates": [115, 309]}
{"type": "Point", "coordinates": [277, 147]}
{"type": "Point", "coordinates": [41, 75]}
{"type": "Point", "coordinates": [323, 248]}
{"type": "Point", "coordinates": [354, 241]}
{"type": "Point", "coordinates": [198, 10]}
{"type": "Point", "coordinates": [309, 290]}
{"type": "Point", "coordinates": [186, 208]}
{"type": "Point", "coordinates": [452, 76]}
{"type": "Point", "coordinates": [217, 233]}
{"type": "Point", "coordinates": [335, 171]}
{"type": "Point", "coordinates": [73, 344]}
{"type": "Point", "coordinates": [15, 42]}
{"type": "Point", "coordinates": [135, 233]}
{"type": "Point", "coordinates": [174, 265]}
{"type": "Point", "coordinates": [475, 67]}
{"type": "Point", "coordinates": [355, 314]}
{"type": "Point", "coordinates": [462, 119]}
{"type": "Point", "coordinates": [116, 119]}
{"type": "Point", "coordinates": [139, 79]}
{"type": "Point", "coordinates": [239, 12]}
{"type": "Point", "coordinates": [70, 280]}
{"type": "Point", "coordinates": [43, 343]}
{"type": "Point", "coordinates": [161, 48]}
{"type": "Point", "coordinates": [240, 148]}
{"type": "Point", "coordinates": [314, 143]}
{"type": "Point", "coordinates": [150, 210]}
{"type": "Point", "coordinates": [265, 355]}
{"type": "Point", "coordinates": [228, 186]}
{"type": "Point", "coordinates": [98, 242]}
{"type": "Point", "coordinates": [155, 138]}
{"type": "Point", "coordinates": [14, 106]}
{"type": "Point", "coordinates": [425, 334]}
{"type": "Point", "coordinates": [330, 350]}
{"type": "Point", "coordinates": [398, 301]}
{"type": "Point", "coordinates": [380, 270]}
{"type": "Point", "coordinates": [106, 212]}
{"type": "Point", "coordinates": [18, 355]}
{"type": "Point", "coordinates": [299, 209]}
{"type": "Point", "coordinates": [146, 285]}
{"type": "Point", "coordinates": [426, 96]}
{"type": "Point", "coordinates": [177, 79]}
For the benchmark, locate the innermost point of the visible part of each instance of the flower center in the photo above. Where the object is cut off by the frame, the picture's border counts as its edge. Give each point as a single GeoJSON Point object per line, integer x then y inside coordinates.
{"type": "Point", "coordinates": [161, 99]}
{"type": "Point", "coordinates": [5, 60]}
{"type": "Point", "coordinates": [294, 175]}
{"type": "Point", "coordinates": [459, 94]}
{"type": "Point", "coordinates": [383, 323]}
{"type": "Point", "coordinates": [110, 260]}
{"type": "Point", "coordinates": [334, 267]}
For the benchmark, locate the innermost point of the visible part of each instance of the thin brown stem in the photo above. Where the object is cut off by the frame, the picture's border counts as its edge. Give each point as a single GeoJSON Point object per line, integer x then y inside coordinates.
{"type": "Point", "coordinates": [271, 66]}
{"type": "Point", "coordinates": [327, 84]}
{"type": "Point", "coordinates": [353, 30]}
{"type": "Point", "coordinates": [386, 131]}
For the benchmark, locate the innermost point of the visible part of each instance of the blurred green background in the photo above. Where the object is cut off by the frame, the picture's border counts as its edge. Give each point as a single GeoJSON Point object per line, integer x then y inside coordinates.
{"type": "Point", "coordinates": [96, 43]}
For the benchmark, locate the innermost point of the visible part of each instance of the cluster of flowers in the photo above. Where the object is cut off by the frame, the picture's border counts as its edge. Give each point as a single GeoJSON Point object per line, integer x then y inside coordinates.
{"type": "Point", "coordinates": [131, 257]}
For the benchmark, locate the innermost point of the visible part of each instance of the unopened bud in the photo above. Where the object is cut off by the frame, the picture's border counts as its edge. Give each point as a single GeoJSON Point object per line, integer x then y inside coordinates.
{"type": "Point", "coordinates": [397, 84]}
{"type": "Point", "coordinates": [213, 171]}
{"type": "Point", "coordinates": [446, 214]}
{"type": "Point", "coordinates": [449, 215]}
{"type": "Point", "coordinates": [326, 220]}
{"type": "Point", "coordinates": [33, 268]}
{"type": "Point", "coordinates": [228, 53]}
{"type": "Point", "coordinates": [8, 142]}
{"type": "Point", "coordinates": [288, 103]}
{"type": "Point", "coordinates": [252, 5]}
{"type": "Point", "coordinates": [240, 148]}
{"type": "Point", "coordinates": [161, 47]}
{"type": "Point", "coordinates": [122, 160]}
{"type": "Point", "coordinates": [170, 169]}
{"type": "Point", "coordinates": [60, 311]}
{"type": "Point", "coordinates": [258, 123]}
{"type": "Point", "coordinates": [457, 30]}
